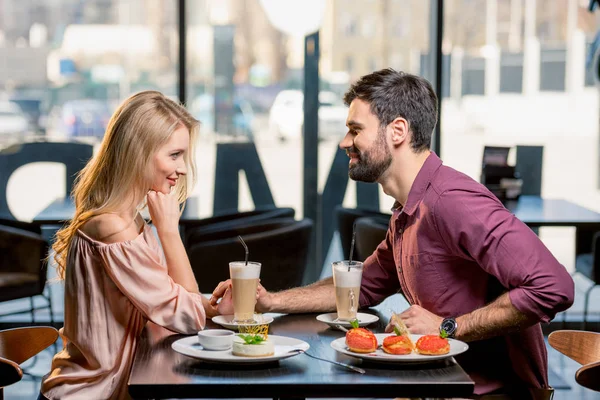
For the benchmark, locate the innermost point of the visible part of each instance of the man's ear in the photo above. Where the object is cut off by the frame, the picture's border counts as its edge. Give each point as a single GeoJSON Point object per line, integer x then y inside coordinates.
{"type": "Point", "coordinates": [400, 131]}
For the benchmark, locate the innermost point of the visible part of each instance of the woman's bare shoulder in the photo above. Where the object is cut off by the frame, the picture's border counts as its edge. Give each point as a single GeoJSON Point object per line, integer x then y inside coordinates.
{"type": "Point", "coordinates": [110, 228]}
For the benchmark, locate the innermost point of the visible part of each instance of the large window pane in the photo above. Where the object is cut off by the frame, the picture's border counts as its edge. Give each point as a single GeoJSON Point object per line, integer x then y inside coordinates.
{"type": "Point", "coordinates": [518, 77]}
{"type": "Point", "coordinates": [249, 74]}
{"type": "Point", "coordinates": [65, 65]}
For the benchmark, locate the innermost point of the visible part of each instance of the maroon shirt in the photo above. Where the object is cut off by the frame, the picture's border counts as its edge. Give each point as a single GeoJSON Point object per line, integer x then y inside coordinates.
{"type": "Point", "coordinates": [452, 249]}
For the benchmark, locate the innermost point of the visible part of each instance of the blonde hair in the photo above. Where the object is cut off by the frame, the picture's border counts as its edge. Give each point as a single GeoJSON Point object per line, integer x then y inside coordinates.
{"type": "Point", "coordinates": [137, 129]}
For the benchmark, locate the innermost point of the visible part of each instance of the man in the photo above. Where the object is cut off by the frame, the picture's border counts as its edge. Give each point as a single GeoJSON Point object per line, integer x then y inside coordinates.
{"type": "Point", "coordinates": [465, 264]}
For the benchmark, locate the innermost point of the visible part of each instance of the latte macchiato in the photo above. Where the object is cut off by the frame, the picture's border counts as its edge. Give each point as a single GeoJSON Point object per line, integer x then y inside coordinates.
{"type": "Point", "coordinates": [244, 279]}
{"type": "Point", "coordinates": [347, 277]}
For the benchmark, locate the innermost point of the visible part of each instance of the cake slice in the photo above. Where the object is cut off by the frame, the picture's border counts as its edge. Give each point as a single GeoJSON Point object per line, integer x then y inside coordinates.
{"type": "Point", "coordinates": [252, 346]}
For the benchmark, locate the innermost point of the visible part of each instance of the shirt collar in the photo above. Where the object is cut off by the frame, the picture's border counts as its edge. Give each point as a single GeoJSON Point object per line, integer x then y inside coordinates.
{"type": "Point", "coordinates": [422, 181]}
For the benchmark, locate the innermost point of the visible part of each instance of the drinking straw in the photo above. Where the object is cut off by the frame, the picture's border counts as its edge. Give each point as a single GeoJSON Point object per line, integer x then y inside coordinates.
{"type": "Point", "coordinates": [351, 248]}
{"type": "Point", "coordinates": [245, 248]}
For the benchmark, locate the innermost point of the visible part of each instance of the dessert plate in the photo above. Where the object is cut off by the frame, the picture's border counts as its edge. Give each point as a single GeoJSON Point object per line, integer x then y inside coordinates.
{"type": "Point", "coordinates": [226, 321]}
{"type": "Point", "coordinates": [284, 347]}
{"type": "Point", "coordinates": [456, 347]}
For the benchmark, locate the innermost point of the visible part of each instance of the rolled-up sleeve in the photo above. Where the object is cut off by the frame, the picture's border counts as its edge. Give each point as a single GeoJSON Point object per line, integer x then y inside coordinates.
{"type": "Point", "coordinates": [478, 227]}
{"type": "Point", "coordinates": [136, 270]}
{"type": "Point", "coordinates": [380, 278]}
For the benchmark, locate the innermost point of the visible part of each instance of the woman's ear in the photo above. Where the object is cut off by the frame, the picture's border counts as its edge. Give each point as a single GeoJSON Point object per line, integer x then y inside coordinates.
{"type": "Point", "coordinates": [400, 130]}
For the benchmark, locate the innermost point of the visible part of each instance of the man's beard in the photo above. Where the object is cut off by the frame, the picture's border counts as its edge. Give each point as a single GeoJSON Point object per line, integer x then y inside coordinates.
{"type": "Point", "coordinates": [371, 163]}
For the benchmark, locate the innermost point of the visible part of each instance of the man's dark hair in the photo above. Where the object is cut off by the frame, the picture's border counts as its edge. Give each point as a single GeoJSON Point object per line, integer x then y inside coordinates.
{"type": "Point", "coordinates": [392, 94]}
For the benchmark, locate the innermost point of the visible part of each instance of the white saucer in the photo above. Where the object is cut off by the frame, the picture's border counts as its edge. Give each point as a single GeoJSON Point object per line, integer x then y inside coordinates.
{"type": "Point", "coordinates": [226, 321]}
{"type": "Point", "coordinates": [364, 319]}
{"type": "Point", "coordinates": [456, 347]}
{"type": "Point", "coordinates": [284, 348]}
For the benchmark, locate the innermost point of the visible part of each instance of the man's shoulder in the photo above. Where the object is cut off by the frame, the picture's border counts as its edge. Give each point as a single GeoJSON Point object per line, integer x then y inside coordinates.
{"type": "Point", "coordinates": [454, 190]}
{"type": "Point", "coordinates": [448, 179]}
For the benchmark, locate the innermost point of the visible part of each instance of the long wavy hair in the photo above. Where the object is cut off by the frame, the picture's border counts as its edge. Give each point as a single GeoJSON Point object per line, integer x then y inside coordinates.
{"type": "Point", "coordinates": [120, 170]}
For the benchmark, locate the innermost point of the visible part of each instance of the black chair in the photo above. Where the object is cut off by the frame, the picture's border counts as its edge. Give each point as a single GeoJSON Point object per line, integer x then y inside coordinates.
{"type": "Point", "coordinates": [588, 265]}
{"type": "Point", "coordinates": [370, 232]}
{"type": "Point", "coordinates": [196, 230]}
{"type": "Point", "coordinates": [345, 221]}
{"type": "Point", "coordinates": [23, 268]}
{"type": "Point", "coordinates": [280, 245]}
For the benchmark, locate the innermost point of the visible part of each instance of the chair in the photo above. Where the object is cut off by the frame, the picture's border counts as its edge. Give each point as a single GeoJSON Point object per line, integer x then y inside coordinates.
{"type": "Point", "coordinates": [17, 346]}
{"type": "Point", "coordinates": [195, 230]}
{"type": "Point", "coordinates": [23, 268]}
{"type": "Point", "coordinates": [370, 232]}
{"type": "Point", "coordinates": [280, 245]}
{"type": "Point", "coordinates": [345, 220]}
{"type": "Point", "coordinates": [588, 265]}
{"type": "Point", "coordinates": [583, 347]}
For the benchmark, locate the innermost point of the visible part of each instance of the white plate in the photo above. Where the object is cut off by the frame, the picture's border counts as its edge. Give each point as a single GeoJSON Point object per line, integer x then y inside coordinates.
{"type": "Point", "coordinates": [284, 347]}
{"type": "Point", "coordinates": [456, 347]}
{"type": "Point", "coordinates": [226, 321]}
{"type": "Point", "coordinates": [364, 319]}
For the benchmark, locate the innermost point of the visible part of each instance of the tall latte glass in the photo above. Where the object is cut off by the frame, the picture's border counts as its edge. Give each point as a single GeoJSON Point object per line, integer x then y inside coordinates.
{"type": "Point", "coordinates": [346, 279]}
{"type": "Point", "coordinates": [244, 279]}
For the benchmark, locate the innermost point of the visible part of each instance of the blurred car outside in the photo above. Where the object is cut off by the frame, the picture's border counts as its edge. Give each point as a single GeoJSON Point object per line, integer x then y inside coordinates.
{"type": "Point", "coordinates": [79, 119]}
{"type": "Point", "coordinates": [286, 116]}
{"type": "Point", "coordinates": [14, 124]}
{"type": "Point", "coordinates": [32, 108]}
{"type": "Point", "coordinates": [202, 108]}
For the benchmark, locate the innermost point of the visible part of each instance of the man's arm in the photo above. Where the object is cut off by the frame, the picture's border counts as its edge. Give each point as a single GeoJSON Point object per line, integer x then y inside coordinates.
{"type": "Point", "coordinates": [497, 318]}
{"type": "Point", "coordinates": [477, 227]}
{"type": "Point", "coordinates": [317, 297]}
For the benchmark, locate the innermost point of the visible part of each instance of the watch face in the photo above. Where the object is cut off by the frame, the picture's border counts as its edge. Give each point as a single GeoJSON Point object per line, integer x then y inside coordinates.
{"type": "Point", "coordinates": [449, 325]}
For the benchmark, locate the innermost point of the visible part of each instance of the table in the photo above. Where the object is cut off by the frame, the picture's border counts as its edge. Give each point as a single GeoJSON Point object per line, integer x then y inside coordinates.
{"type": "Point", "coordinates": [536, 212]}
{"type": "Point", "coordinates": [159, 372]}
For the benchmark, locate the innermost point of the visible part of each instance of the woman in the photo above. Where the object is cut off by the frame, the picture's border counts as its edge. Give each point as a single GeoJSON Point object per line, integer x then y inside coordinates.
{"type": "Point", "coordinates": [116, 275]}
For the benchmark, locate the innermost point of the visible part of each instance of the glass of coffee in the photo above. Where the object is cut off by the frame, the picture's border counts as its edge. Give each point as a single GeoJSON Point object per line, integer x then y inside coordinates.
{"type": "Point", "coordinates": [244, 279]}
{"type": "Point", "coordinates": [347, 276]}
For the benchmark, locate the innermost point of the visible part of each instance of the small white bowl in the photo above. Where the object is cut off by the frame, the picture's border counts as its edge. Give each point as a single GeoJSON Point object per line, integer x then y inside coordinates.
{"type": "Point", "coordinates": [216, 339]}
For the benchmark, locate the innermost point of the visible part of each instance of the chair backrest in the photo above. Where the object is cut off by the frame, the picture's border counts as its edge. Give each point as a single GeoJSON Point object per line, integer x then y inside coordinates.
{"type": "Point", "coordinates": [495, 155]}
{"type": "Point", "coordinates": [243, 228]}
{"type": "Point", "coordinates": [581, 346]}
{"type": "Point", "coordinates": [73, 155]}
{"type": "Point", "coordinates": [20, 344]}
{"type": "Point", "coordinates": [345, 223]}
{"type": "Point", "coordinates": [197, 229]}
{"type": "Point", "coordinates": [10, 373]}
{"type": "Point", "coordinates": [280, 246]}
{"type": "Point", "coordinates": [23, 253]}
{"type": "Point", "coordinates": [529, 166]}
{"type": "Point", "coordinates": [589, 376]}
{"type": "Point", "coordinates": [370, 232]}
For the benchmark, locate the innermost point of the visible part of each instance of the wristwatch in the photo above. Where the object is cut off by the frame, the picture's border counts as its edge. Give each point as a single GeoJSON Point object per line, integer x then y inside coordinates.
{"type": "Point", "coordinates": [449, 326]}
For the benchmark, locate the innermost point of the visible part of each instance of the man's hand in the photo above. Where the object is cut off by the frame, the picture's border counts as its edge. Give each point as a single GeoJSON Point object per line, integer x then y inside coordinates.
{"type": "Point", "coordinates": [419, 321]}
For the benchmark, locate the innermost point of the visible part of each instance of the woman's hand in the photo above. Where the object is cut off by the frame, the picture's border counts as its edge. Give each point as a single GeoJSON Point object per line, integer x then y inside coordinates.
{"type": "Point", "coordinates": [164, 211]}
{"type": "Point", "coordinates": [222, 298]}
